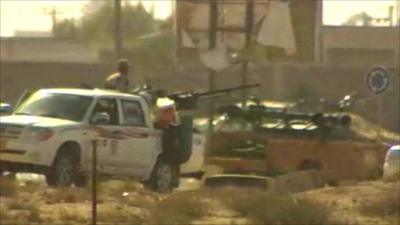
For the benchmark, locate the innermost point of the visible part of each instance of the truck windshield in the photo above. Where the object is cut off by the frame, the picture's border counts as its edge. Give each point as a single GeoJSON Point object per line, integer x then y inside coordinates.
{"type": "Point", "coordinates": [55, 105]}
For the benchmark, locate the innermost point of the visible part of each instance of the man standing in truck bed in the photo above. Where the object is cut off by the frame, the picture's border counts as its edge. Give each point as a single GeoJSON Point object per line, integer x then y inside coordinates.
{"type": "Point", "coordinates": [120, 80]}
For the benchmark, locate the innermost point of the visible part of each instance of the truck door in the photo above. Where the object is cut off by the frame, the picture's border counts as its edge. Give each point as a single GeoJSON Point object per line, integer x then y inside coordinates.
{"type": "Point", "coordinates": [139, 151]}
{"type": "Point", "coordinates": [109, 134]}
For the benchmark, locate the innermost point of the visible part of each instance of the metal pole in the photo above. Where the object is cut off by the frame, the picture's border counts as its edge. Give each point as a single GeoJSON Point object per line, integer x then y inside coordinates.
{"type": "Point", "coordinates": [248, 27]}
{"type": "Point", "coordinates": [380, 114]}
{"type": "Point", "coordinates": [175, 27]}
{"type": "Point", "coordinates": [318, 42]}
{"type": "Point", "coordinates": [118, 30]}
{"type": "Point", "coordinates": [391, 8]}
{"type": "Point", "coordinates": [94, 182]}
{"type": "Point", "coordinates": [212, 38]}
{"type": "Point", "coordinates": [397, 18]}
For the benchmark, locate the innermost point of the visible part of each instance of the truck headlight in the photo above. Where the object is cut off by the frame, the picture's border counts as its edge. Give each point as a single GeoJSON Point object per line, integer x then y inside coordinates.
{"type": "Point", "coordinates": [39, 133]}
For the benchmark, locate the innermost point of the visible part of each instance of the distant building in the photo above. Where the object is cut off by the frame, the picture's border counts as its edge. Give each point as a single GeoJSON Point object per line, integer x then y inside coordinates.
{"type": "Point", "coordinates": [44, 49]}
{"type": "Point", "coordinates": [351, 46]}
{"type": "Point", "coordinates": [30, 34]}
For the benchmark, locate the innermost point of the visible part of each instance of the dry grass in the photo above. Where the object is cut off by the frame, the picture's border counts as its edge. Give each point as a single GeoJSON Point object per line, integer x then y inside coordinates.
{"type": "Point", "coordinates": [4, 214]}
{"type": "Point", "coordinates": [385, 205]}
{"type": "Point", "coordinates": [34, 215]}
{"type": "Point", "coordinates": [31, 186]}
{"type": "Point", "coordinates": [178, 208]}
{"type": "Point", "coordinates": [267, 208]}
{"type": "Point", "coordinates": [8, 186]}
{"type": "Point", "coordinates": [138, 200]}
{"type": "Point", "coordinates": [67, 195]}
{"type": "Point", "coordinates": [72, 217]}
{"type": "Point", "coordinates": [116, 188]}
{"type": "Point", "coordinates": [20, 205]}
{"type": "Point", "coordinates": [119, 215]}
{"type": "Point", "coordinates": [22, 211]}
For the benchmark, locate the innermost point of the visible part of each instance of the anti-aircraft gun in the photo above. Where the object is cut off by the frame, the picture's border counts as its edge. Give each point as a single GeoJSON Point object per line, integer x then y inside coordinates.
{"type": "Point", "coordinates": [178, 126]}
{"type": "Point", "coordinates": [287, 121]}
{"type": "Point", "coordinates": [269, 138]}
{"type": "Point", "coordinates": [189, 100]}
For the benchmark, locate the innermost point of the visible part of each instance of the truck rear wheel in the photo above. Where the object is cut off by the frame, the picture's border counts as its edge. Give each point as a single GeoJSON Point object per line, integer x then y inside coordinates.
{"type": "Point", "coordinates": [163, 177]}
{"type": "Point", "coordinates": [64, 169]}
{"type": "Point", "coordinates": [81, 180]}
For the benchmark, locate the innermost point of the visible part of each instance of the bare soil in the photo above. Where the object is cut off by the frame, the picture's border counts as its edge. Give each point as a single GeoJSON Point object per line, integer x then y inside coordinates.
{"type": "Point", "coordinates": [372, 202]}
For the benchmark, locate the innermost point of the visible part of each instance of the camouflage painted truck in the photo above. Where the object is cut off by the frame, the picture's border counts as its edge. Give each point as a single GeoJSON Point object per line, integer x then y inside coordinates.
{"type": "Point", "coordinates": [269, 141]}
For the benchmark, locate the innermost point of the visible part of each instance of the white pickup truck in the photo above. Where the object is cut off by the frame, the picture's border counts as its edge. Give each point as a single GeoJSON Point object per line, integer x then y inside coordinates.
{"type": "Point", "coordinates": [52, 132]}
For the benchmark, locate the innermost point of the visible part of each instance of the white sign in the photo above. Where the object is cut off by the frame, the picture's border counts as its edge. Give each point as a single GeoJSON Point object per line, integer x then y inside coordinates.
{"type": "Point", "coordinates": [377, 80]}
{"type": "Point", "coordinates": [277, 29]}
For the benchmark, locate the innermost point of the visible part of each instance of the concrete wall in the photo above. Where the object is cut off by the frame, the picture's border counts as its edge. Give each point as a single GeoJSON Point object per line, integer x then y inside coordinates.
{"type": "Point", "coordinates": [278, 82]}
{"type": "Point", "coordinates": [17, 77]}
{"type": "Point", "coordinates": [351, 46]}
{"type": "Point", "coordinates": [44, 49]}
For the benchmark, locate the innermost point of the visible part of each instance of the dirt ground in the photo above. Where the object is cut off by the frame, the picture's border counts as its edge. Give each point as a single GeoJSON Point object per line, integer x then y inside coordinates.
{"type": "Point", "coordinates": [361, 203]}
{"type": "Point", "coordinates": [122, 202]}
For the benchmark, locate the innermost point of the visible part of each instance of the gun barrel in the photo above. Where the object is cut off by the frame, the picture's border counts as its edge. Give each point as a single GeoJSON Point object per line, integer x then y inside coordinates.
{"type": "Point", "coordinates": [188, 100]}
{"type": "Point", "coordinates": [226, 90]}
{"type": "Point", "coordinates": [258, 113]}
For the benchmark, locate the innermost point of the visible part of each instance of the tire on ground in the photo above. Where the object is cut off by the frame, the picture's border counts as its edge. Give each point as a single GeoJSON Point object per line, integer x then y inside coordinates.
{"type": "Point", "coordinates": [65, 167]}
{"type": "Point", "coordinates": [81, 180]}
{"type": "Point", "coordinates": [164, 177]}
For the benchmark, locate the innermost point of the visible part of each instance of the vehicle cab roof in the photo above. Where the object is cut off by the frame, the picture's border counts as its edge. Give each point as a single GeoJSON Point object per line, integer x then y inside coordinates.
{"type": "Point", "coordinates": [89, 92]}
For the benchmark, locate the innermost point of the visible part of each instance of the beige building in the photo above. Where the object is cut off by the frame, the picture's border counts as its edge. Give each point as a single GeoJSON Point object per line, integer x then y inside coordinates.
{"type": "Point", "coordinates": [351, 46]}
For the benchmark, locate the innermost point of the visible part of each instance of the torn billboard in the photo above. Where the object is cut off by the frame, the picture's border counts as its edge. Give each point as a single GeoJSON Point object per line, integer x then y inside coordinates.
{"type": "Point", "coordinates": [287, 37]}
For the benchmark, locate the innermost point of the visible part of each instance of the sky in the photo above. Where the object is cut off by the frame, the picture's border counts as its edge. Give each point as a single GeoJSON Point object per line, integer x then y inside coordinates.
{"type": "Point", "coordinates": [31, 14]}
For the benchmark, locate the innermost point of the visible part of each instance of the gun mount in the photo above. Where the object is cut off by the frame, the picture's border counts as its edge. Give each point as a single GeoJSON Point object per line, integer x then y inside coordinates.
{"type": "Point", "coordinates": [344, 104]}
{"type": "Point", "coordinates": [189, 100]}
{"type": "Point", "coordinates": [256, 113]}
{"type": "Point", "coordinates": [284, 122]}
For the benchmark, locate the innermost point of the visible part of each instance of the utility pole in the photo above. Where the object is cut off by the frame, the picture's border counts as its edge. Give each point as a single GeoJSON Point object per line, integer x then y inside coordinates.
{"type": "Point", "coordinates": [212, 44]}
{"type": "Point", "coordinates": [94, 182]}
{"type": "Point", "coordinates": [248, 28]}
{"type": "Point", "coordinates": [117, 29]}
{"type": "Point", "coordinates": [319, 42]}
{"type": "Point", "coordinates": [391, 9]}
{"type": "Point", "coordinates": [53, 14]}
{"type": "Point", "coordinates": [398, 13]}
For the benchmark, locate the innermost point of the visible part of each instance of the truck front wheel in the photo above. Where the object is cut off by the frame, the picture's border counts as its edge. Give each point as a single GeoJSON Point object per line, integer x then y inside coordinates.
{"type": "Point", "coordinates": [64, 170]}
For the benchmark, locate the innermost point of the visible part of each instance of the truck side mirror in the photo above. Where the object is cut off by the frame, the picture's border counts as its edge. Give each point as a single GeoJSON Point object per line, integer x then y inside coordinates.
{"type": "Point", "coordinates": [101, 118]}
{"type": "Point", "coordinates": [6, 108]}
